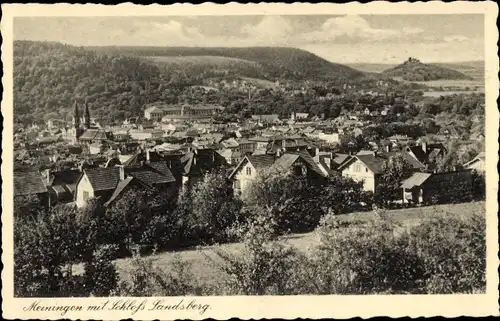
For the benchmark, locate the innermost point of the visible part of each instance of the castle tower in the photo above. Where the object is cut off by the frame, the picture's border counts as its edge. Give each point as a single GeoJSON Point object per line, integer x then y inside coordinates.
{"type": "Point", "coordinates": [86, 116]}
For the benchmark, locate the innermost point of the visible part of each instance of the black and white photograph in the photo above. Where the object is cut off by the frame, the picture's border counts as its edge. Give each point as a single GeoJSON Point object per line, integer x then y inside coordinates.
{"type": "Point", "coordinates": [249, 155]}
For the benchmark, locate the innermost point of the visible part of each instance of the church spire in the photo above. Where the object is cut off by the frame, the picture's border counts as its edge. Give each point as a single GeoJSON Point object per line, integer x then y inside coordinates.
{"type": "Point", "coordinates": [87, 115]}
{"type": "Point", "coordinates": [76, 115]}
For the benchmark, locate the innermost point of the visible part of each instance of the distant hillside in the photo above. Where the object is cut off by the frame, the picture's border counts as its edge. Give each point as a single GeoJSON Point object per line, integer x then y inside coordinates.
{"type": "Point", "coordinates": [268, 62]}
{"type": "Point", "coordinates": [415, 70]}
{"type": "Point", "coordinates": [474, 69]}
{"type": "Point", "coordinates": [49, 77]}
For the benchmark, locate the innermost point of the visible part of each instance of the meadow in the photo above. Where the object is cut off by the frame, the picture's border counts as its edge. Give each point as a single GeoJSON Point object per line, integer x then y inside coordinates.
{"type": "Point", "coordinates": [203, 260]}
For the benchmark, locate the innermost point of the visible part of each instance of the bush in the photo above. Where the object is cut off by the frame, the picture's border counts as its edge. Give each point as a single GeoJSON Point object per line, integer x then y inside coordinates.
{"type": "Point", "coordinates": [265, 266]}
{"type": "Point", "coordinates": [363, 260]}
{"type": "Point", "coordinates": [453, 251]}
{"type": "Point", "coordinates": [100, 278]}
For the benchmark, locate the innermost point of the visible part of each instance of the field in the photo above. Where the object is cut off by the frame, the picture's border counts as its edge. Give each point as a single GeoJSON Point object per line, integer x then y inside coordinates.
{"type": "Point", "coordinates": [202, 60]}
{"type": "Point", "coordinates": [206, 273]}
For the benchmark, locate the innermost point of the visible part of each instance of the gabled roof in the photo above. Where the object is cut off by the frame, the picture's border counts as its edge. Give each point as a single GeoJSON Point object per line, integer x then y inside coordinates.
{"type": "Point", "coordinates": [119, 189]}
{"type": "Point", "coordinates": [162, 168]}
{"type": "Point", "coordinates": [94, 134]}
{"type": "Point", "coordinates": [417, 179]}
{"type": "Point", "coordinates": [28, 183]}
{"type": "Point", "coordinates": [66, 177]}
{"type": "Point", "coordinates": [375, 162]}
{"type": "Point", "coordinates": [103, 178]}
{"type": "Point", "coordinates": [149, 177]}
{"type": "Point", "coordinates": [257, 161]}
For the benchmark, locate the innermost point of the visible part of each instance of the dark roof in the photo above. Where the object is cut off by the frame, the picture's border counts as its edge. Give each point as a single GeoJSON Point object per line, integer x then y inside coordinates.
{"type": "Point", "coordinates": [162, 168]}
{"type": "Point", "coordinates": [103, 178]}
{"type": "Point", "coordinates": [375, 162]}
{"type": "Point", "coordinates": [142, 157]}
{"type": "Point", "coordinates": [257, 161]}
{"type": "Point", "coordinates": [93, 134]}
{"type": "Point", "coordinates": [119, 189]}
{"type": "Point", "coordinates": [149, 177]}
{"type": "Point", "coordinates": [432, 150]}
{"type": "Point", "coordinates": [285, 161]}
{"type": "Point", "coordinates": [66, 177]}
{"type": "Point", "coordinates": [260, 161]}
{"type": "Point", "coordinates": [340, 158]}
{"type": "Point", "coordinates": [310, 161]}
{"type": "Point", "coordinates": [28, 183]}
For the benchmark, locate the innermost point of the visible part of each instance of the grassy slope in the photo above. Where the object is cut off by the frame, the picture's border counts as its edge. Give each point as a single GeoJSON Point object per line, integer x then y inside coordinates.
{"type": "Point", "coordinates": [208, 274]}
{"type": "Point", "coordinates": [291, 61]}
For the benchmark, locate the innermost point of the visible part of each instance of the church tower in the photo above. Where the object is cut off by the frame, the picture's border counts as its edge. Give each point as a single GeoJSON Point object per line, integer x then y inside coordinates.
{"type": "Point", "coordinates": [76, 116]}
{"type": "Point", "coordinates": [86, 116]}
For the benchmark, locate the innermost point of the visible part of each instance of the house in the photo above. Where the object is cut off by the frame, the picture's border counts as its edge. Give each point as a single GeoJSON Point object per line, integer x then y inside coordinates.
{"type": "Point", "coordinates": [332, 138]}
{"type": "Point", "coordinates": [61, 185]}
{"type": "Point", "coordinates": [27, 183]}
{"type": "Point", "coordinates": [95, 135]}
{"type": "Point", "coordinates": [153, 113]}
{"type": "Point", "coordinates": [247, 170]}
{"type": "Point", "coordinates": [426, 153]}
{"type": "Point", "coordinates": [270, 119]}
{"type": "Point", "coordinates": [437, 188]}
{"type": "Point", "coordinates": [299, 164]}
{"type": "Point", "coordinates": [197, 162]}
{"type": "Point", "coordinates": [245, 146]}
{"type": "Point", "coordinates": [368, 167]}
{"type": "Point", "coordinates": [146, 134]}
{"type": "Point", "coordinates": [108, 184]}
{"type": "Point", "coordinates": [478, 163]}
{"type": "Point", "coordinates": [232, 156]}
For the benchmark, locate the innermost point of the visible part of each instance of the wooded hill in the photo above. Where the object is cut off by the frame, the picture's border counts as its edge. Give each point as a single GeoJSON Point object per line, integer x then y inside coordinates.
{"type": "Point", "coordinates": [414, 70]}
{"type": "Point", "coordinates": [118, 81]}
{"type": "Point", "coordinates": [270, 63]}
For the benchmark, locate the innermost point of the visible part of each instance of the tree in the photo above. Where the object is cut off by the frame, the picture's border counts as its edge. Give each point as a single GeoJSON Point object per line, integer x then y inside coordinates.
{"type": "Point", "coordinates": [45, 250]}
{"type": "Point", "coordinates": [394, 171]}
{"type": "Point", "coordinates": [295, 201]}
{"type": "Point", "coordinates": [213, 206]}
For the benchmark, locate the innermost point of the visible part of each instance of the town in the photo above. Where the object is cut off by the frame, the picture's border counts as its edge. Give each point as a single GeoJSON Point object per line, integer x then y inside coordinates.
{"type": "Point", "coordinates": [173, 145]}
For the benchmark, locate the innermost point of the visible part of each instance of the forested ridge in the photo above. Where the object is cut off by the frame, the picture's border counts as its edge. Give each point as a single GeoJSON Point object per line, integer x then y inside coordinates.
{"type": "Point", "coordinates": [49, 77]}
{"type": "Point", "coordinates": [278, 62]}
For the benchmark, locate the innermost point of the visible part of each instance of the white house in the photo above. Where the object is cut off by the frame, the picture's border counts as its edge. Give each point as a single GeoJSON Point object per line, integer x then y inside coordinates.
{"type": "Point", "coordinates": [246, 171]}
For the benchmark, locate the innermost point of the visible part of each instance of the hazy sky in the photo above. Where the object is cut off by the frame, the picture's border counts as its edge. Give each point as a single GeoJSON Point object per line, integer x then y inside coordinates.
{"type": "Point", "coordinates": [343, 39]}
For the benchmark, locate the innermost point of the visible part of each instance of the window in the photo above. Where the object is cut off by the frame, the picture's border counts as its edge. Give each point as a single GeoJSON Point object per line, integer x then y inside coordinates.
{"type": "Point", "coordinates": [249, 171]}
{"type": "Point", "coordinates": [357, 167]}
{"type": "Point", "coordinates": [85, 196]}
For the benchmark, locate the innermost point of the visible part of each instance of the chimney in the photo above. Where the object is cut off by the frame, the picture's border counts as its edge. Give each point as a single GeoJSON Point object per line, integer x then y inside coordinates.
{"type": "Point", "coordinates": [122, 172]}
{"type": "Point", "coordinates": [387, 148]}
{"type": "Point", "coordinates": [148, 159]}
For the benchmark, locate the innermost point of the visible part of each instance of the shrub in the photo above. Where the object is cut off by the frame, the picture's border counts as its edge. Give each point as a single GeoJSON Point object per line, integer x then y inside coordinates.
{"type": "Point", "coordinates": [363, 260]}
{"type": "Point", "coordinates": [101, 278]}
{"type": "Point", "coordinates": [453, 250]}
{"type": "Point", "coordinates": [265, 266]}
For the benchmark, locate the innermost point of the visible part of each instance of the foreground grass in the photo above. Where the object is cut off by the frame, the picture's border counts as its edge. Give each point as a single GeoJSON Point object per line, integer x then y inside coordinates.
{"type": "Point", "coordinates": [207, 274]}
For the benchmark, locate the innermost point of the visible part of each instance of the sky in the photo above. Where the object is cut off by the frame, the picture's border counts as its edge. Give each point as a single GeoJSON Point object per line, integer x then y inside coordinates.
{"type": "Point", "coordinates": [342, 39]}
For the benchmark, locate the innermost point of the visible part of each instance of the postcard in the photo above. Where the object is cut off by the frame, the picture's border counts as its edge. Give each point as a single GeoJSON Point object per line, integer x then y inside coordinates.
{"type": "Point", "coordinates": [249, 160]}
